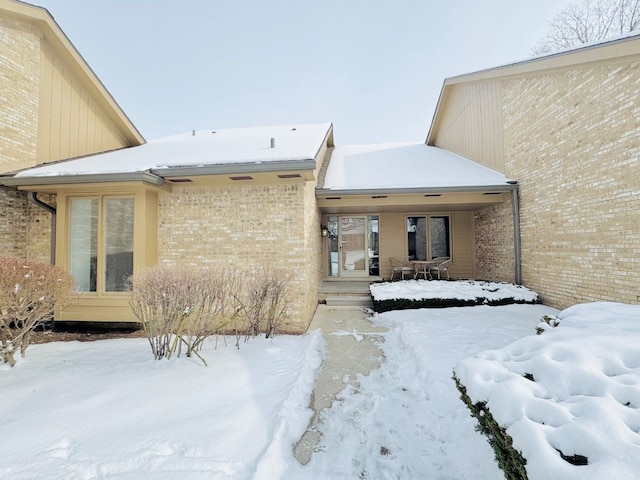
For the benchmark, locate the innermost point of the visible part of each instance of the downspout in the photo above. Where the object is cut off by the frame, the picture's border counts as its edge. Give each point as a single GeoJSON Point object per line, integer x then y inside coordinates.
{"type": "Point", "coordinates": [516, 233]}
{"type": "Point", "coordinates": [33, 197]}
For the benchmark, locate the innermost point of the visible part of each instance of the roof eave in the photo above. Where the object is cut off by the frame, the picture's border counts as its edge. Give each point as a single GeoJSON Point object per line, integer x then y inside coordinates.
{"type": "Point", "coordinates": [145, 177]}
{"type": "Point", "coordinates": [507, 187]}
{"type": "Point", "coordinates": [233, 168]}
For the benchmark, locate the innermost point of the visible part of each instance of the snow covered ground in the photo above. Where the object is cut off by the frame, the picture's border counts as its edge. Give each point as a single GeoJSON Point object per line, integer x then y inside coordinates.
{"type": "Point", "coordinates": [581, 395]}
{"type": "Point", "coordinates": [107, 410]}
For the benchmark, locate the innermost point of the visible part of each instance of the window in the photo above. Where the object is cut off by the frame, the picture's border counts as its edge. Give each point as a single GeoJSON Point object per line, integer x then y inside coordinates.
{"type": "Point", "coordinates": [428, 237]}
{"type": "Point", "coordinates": [101, 243]}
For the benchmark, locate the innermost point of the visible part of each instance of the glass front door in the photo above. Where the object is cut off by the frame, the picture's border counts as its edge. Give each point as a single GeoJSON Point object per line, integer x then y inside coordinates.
{"type": "Point", "coordinates": [352, 247]}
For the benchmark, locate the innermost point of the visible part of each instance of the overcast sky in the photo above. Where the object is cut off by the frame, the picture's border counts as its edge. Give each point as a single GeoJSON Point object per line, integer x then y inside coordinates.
{"type": "Point", "coordinates": [374, 68]}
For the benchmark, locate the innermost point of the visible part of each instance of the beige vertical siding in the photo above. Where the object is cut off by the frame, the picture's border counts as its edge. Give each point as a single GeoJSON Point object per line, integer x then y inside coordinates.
{"type": "Point", "coordinates": [393, 242]}
{"type": "Point", "coordinates": [71, 122]}
{"type": "Point", "coordinates": [463, 253]}
{"type": "Point", "coordinates": [470, 123]}
{"type": "Point", "coordinates": [100, 306]}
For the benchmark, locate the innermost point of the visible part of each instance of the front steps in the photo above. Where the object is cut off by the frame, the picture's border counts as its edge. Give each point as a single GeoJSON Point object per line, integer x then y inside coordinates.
{"type": "Point", "coordinates": [345, 294]}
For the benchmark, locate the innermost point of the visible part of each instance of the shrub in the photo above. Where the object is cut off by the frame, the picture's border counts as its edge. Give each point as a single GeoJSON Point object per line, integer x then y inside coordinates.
{"type": "Point", "coordinates": [510, 461]}
{"type": "Point", "coordinates": [266, 302]}
{"type": "Point", "coordinates": [180, 307]}
{"type": "Point", "coordinates": [547, 322]}
{"type": "Point", "coordinates": [381, 306]}
{"type": "Point", "coordinates": [30, 292]}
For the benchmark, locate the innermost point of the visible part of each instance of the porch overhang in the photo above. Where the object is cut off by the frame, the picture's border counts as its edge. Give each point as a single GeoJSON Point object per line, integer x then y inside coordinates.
{"type": "Point", "coordinates": [407, 199]}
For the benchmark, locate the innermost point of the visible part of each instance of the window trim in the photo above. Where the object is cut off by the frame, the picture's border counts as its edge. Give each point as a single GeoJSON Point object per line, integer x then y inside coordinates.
{"type": "Point", "coordinates": [101, 239]}
{"type": "Point", "coordinates": [428, 217]}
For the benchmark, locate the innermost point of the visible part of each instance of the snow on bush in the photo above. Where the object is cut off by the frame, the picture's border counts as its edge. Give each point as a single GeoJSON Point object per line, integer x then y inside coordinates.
{"type": "Point", "coordinates": [29, 291]}
{"type": "Point", "coordinates": [570, 397]}
{"type": "Point", "coordinates": [179, 307]}
{"type": "Point", "coordinates": [411, 294]}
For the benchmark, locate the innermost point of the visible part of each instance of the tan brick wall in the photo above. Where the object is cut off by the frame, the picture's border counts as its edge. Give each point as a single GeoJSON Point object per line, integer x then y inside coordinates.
{"type": "Point", "coordinates": [19, 84]}
{"type": "Point", "coordinates": [494, 252]}
{"type": "Point", "coordinates": [572, 139]}
{"type": "Point", "coordinates": [38, 245]}
{"type": "Point", "coordinates": [246, 226]}
{"type": "Point", "coordinates": [13, 222]}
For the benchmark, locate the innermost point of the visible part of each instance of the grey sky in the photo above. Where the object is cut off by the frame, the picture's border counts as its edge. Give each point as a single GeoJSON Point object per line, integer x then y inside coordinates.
{"type": "Point", "coordinates": [373, 68]}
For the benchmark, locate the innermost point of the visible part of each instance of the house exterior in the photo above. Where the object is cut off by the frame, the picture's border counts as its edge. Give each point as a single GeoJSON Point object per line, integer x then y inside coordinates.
{"type": "Point", "coordinates": [236, 198]}
{"type": "Point", "coordinates": [529, 174]}
{"type": "Point", "coordinates": [567, 127]}
{"type": "Point", "coordinates": [409, 201]}
{"type": "Point", "coordinates": [52, 107]}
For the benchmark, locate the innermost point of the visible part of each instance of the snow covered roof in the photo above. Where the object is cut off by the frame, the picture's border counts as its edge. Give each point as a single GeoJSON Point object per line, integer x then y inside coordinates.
{"type": "Point", "coordinates": [397, 166]}
{"type": "Point", "coordinates": [199, 149]}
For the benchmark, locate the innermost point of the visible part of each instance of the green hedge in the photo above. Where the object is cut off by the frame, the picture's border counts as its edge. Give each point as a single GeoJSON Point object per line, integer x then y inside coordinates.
{"type": "Point", "coordinates": [509, 459]}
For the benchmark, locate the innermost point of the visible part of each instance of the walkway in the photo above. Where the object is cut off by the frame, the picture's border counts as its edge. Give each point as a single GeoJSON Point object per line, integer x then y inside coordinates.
{"type": "Point", "coordinates": [351, 349]}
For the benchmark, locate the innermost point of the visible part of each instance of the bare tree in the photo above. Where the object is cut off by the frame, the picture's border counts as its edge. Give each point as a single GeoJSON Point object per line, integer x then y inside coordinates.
{"type": "Point", "coordinates": [590, 21]}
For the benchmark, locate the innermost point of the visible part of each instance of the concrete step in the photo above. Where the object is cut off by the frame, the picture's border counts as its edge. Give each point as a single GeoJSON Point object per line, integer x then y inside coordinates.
{"type": "Point", "coordinates": [349, 300]}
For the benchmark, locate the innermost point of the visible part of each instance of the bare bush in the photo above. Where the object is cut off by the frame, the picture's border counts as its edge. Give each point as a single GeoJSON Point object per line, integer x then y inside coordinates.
{"type": "Point", "coordinates": [30, 292]}
{"type": "Point", "coordinates": [180, 307]}
{"type": "Point", "coordinates": [266, 305]}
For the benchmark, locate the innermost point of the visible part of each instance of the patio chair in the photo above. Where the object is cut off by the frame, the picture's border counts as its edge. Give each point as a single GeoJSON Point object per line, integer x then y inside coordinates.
{"type": "Point", "coordinates": [401, 268]}
{"type": "Point", "coordinates": [441, 266]}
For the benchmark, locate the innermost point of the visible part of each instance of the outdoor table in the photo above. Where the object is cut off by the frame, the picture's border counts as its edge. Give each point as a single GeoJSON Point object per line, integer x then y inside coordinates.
{"type": "Point", "coordinates": [421, 267]}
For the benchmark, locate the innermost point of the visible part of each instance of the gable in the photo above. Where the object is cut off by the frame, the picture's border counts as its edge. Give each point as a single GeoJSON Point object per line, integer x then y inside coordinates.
{"type": "Point", "coordinates": [54, 107]}
{"type": "Point", "coordinates": [470, 114]}
{"type": "Point", "coordinates": [470, 123]}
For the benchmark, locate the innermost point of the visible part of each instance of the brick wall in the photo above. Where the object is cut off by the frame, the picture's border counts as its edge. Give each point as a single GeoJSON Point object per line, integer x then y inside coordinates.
{"type": "Point", "coordinates": [19, 83]}
{"type": "Point", "coordinates": [572, 140]}
{"type": "Point", "coordinates": [38, 226]}
{"type": "Point", "coordinates": [246, 227]}
{"type": "Point", "coordinates": [494, 253]}
{"type": "Point", "coordinates": [19, 80]}
{"type": "Point", "coordinates": [13, 222]}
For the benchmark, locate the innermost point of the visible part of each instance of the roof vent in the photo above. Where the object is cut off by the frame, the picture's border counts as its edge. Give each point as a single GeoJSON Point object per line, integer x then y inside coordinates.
{"type": "Point", "coordinates": [273, 142]}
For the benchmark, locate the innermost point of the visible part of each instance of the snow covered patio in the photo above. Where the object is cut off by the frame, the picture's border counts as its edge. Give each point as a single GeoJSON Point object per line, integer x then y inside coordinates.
{"type": "Point", "coordinates": [108, 410]}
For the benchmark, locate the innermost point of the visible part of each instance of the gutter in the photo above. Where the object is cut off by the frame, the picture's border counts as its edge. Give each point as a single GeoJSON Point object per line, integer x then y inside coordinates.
{"type": "Point", "coordinates": [231, 168]}
{"type": "Point", "coordinates": [33, 197]}
{"type": "Point", "coordinates": [328, 192]}
{"type": "Point", "coordinates": [77, 179]}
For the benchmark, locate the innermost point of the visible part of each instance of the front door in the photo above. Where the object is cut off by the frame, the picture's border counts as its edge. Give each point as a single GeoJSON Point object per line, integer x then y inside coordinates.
{"type": "Point", "coordinates": [352, 246]}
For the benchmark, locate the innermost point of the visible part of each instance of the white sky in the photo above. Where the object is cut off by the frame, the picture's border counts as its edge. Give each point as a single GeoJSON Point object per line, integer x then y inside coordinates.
{"type": "Point", "coordinates": [374, 68]}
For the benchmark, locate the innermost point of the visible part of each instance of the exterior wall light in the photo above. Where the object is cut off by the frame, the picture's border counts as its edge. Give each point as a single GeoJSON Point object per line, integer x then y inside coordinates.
{"type": "Point", "coordinates": [324, 230]}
